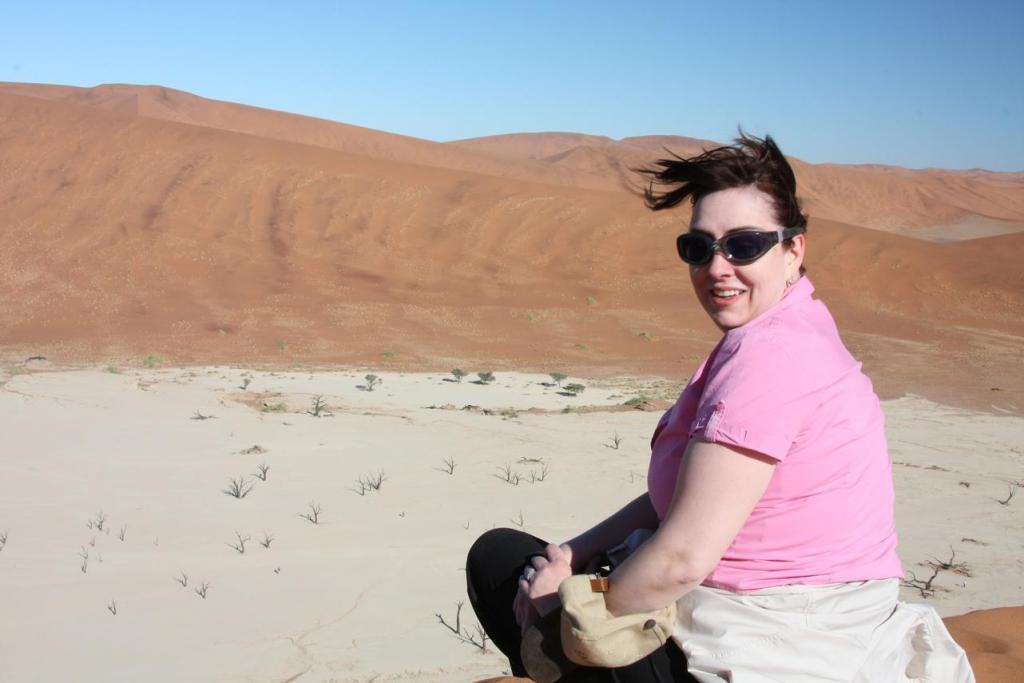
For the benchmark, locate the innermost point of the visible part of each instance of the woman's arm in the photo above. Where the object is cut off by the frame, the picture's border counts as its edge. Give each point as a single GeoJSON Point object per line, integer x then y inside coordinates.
{"type": "Point", "coordinates": [637, 514]}
{"type": "Point", "coordinates": [717, 488]}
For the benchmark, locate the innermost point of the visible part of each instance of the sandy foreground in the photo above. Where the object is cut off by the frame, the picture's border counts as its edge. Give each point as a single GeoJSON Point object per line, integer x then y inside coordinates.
{"type": "Point", "coordinates": [113, 506]}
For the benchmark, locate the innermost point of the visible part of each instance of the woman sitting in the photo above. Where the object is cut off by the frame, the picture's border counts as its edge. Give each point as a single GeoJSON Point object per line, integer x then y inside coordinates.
{"type": "Point", "coordinates": [770, 492]}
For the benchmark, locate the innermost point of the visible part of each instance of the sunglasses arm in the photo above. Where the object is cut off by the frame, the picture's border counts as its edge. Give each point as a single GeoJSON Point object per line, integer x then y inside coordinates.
{"type": "Point", "coordinates": [789, 233]}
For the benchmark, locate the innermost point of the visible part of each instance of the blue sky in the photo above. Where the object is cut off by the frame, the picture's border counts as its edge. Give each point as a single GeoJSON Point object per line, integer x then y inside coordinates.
{"type": "Point", "coordinates": [913, 83]}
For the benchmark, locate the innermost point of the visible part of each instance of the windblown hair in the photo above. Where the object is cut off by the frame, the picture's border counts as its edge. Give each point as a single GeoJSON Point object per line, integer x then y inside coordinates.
{"type": "Point", "coordinates": [749, 161]}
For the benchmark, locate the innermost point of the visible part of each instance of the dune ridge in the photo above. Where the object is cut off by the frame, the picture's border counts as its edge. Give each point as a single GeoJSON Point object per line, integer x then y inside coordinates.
{"type": "Point", "coordinates": [167, 104]}
{"type": "Point", "coordinates": [895, 199]}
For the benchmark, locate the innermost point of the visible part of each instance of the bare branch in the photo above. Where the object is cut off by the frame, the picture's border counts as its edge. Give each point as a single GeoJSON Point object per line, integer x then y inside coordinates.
{"type": "Point", "coordinates": [1009, 497]}
{"type": "Point", "coordinates": [508, 476]}
{"type": "Point", "coordinates": [239, 545]}
{"type": "Point", "coordinates": [923, 586]}
{"type": "Point", "coordinates": [926, 587]}
{"type": "Point", "coordinates": [369, 482]}
{"type": "Point", "coordinates": [238, 488]}
{"type": "Point", "coordinates": [477, 637]}
{"type": "Point", "coordinates": [951, 564]}
{"type": "Point", "coordinates": [97, 522]}
{"type": "Point", "coordinates": [458, 613]}
{"type": "Point", "coordinates": [539, 476]}
{"type": "Point", "coordinates": [313, 516]}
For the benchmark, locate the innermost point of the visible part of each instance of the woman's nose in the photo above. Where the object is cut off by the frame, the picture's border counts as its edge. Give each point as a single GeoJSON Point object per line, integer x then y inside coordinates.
{"type": "Point", "coordinates": [719, 265]}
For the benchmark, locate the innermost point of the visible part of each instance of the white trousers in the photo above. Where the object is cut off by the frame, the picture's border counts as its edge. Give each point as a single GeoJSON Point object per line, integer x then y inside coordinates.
{"type": "Point", "coordinates": [851, 632]}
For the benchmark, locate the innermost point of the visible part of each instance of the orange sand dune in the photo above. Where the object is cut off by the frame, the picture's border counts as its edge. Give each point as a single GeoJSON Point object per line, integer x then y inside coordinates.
{"type": "Point", "coordinates": [174, 105]}
{"type": "Point", "coordinates": [933, 203]}
{"type": "Point", "coordinates": [592, 154]}
{"type": "Point", "coordinates": [127, 235]}
{"type": "Point", "coordinates": [905, 201]}
{"type": "Point", "coordinates": [551, 146]}
{"type": "Point", "coordinates": [994, 641]}
{"type": "Point", "coordinates": [620, 160]}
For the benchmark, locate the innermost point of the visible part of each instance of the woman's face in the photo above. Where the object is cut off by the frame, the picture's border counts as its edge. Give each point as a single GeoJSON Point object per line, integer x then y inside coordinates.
{"type": "Point", "coordinates": [733, 295]}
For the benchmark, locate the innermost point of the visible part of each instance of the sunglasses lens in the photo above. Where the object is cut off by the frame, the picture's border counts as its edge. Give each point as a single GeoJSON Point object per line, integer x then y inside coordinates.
{"type": "Point", "coordinates": [745, 246]}
{"type": "Point", "coordinates": [694, 249]}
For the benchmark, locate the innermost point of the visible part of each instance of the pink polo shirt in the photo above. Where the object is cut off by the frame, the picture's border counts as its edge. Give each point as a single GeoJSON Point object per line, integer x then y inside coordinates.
{"type": "Point", "coordinates": [784, 385]}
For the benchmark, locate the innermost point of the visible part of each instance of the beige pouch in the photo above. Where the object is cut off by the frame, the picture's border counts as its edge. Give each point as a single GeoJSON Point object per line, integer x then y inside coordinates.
{"type": "Point", "coordinates": [591, 636]}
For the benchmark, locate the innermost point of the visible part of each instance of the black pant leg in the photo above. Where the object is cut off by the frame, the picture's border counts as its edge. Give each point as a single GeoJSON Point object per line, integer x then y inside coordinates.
{"type": "Point", "coordinates": [665, 665]}
{"type": "Point", "coordinates": [493, 567]}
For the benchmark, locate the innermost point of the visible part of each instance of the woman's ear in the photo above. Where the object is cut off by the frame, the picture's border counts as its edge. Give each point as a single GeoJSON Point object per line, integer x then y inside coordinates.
{"type": "Point", "coordinates": [795, 255]}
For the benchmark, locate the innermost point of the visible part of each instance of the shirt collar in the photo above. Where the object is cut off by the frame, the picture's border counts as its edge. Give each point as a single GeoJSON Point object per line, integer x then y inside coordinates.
{"type": "Point", "coordinates": [800, 292]}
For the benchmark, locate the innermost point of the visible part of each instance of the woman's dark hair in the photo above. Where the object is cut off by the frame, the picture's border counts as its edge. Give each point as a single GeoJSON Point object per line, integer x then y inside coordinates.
{"type": "Point", "coordinates": [749, 161]}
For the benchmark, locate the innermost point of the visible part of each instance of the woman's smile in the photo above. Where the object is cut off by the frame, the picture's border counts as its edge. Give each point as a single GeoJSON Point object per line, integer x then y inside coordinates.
{"type": "Point", "coordinates": [724, 296]}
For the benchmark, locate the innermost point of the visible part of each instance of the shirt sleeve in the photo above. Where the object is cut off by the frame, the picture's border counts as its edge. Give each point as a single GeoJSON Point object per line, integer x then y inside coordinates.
{"type": "Point", "coordinates": [662, 423]}
{"type": "Point", "coordinates": [758, 397]}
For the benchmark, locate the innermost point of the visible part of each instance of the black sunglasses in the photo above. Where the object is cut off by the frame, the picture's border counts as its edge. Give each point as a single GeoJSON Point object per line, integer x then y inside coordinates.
{"type": "Point", "coordinates": [740, 247]}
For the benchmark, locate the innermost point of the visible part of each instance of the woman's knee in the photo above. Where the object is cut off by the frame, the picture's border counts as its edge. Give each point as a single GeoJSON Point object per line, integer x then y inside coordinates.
{"type": "Point", "coordinates": [500, 551]}
{"type": "Point", "coordinates": [495, 539]}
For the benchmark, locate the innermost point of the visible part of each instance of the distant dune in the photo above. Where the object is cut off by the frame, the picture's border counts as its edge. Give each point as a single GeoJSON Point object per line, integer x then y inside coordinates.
{"type": "Point", "coordinates": [593, 155]}
{"type": "Point", "coordinates": [882, 197]}
{"type": "Point", "coordinates": [143, 220]}
{"type": "Point", "coordinates": [166, 104]}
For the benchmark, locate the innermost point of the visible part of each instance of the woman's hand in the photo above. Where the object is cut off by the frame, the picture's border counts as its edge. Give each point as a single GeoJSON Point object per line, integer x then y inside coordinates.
{"type": "Point", "coordinates": [526, 615]}
{"type": "Point", "coordinates": [538, 587]}
{"type": "Point", "coordinates": [567, 554]}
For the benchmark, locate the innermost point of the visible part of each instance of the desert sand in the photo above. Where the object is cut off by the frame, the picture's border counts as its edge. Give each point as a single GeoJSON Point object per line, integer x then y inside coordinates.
{"type": "Point", "coordinates": [113, 498]}
{"type": "Point", "coordinates": [161, 248]}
